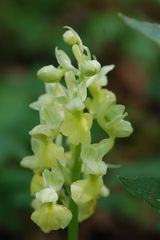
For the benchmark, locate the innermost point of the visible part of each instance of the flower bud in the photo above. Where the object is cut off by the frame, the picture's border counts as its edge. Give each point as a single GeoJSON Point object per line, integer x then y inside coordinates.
{"type": "Point", "coordinates": [91, 67]}
{"type": "Point", "coordinates": [50, 74]}
{"type": "Point", "coordinates": [36, 184]}
{"type": "Point", "coordinates": [70, 38]}
{"type": "Point", "coordinates": [64, 61]}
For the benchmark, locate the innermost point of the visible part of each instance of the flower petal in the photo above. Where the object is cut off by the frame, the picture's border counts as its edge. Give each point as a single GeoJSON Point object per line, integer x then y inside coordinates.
{"type": "Point", "coordinates": [51, 216]}
{"type": "Point", "coordinates": [53, 178]}
{"type": "Point", "coordinates": [83, 191]}
{"type": "Point", "coordinates": [47, 195]}
{"type": "Point", "coordinates": [77, 127]}
{"type": "Point", "coordinates": [86, 210]}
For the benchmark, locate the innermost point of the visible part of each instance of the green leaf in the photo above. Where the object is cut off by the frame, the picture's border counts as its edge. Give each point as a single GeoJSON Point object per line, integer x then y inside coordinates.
{"type": "Point", "coordinates": [150, 30]}
{"type": "Point", "coordinates": [147, 188]}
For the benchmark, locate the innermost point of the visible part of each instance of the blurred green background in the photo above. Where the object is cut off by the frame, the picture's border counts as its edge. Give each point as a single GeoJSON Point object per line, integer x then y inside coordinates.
{"type": "Point", "coordinates": [29, 32]}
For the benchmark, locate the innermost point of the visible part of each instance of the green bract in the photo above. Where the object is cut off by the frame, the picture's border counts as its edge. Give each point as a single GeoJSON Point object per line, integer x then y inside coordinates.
{"type": "Point", "coordinates": [73, 98]}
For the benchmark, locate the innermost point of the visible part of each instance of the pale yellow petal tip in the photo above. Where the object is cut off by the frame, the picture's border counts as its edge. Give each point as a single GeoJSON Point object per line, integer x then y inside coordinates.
{"type": "Point", "coordinates": [86, 210]}
{"type": "Point", "coordinates": [104, 191]}
{"type": "Point", "coordinates": [47, 195]}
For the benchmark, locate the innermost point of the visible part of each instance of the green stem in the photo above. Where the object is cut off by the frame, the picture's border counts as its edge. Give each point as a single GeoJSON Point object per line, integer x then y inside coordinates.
{"type": "Point", "coordinates": [73, 227]}
{"type": "Point", "coordinates": [76, 171]}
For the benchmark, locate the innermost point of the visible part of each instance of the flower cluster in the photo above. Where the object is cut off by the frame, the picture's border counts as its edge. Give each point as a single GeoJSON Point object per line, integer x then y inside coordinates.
{"type": "Point", "coordinates": [65, 162]}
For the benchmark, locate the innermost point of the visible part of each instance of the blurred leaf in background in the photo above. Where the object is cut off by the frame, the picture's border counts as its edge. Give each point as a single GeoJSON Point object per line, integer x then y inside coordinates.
{"type": "Point", "coordinates": [150, 30]}
{"type": "Point", "coordinates": [16, 92]}
{"type": "Point", "coordinates": [143, 167]}
{"type": "Point", "coordinates": [147, 188]}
